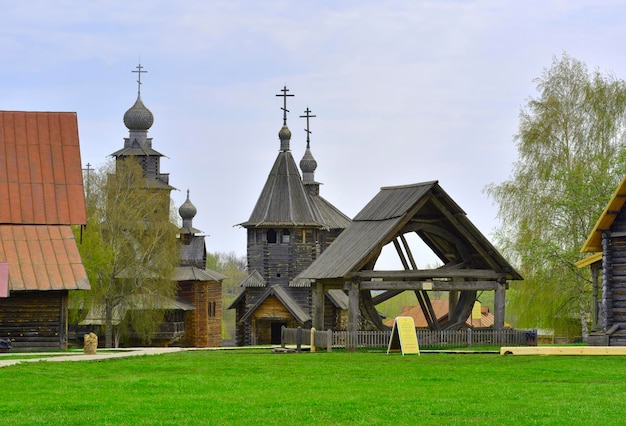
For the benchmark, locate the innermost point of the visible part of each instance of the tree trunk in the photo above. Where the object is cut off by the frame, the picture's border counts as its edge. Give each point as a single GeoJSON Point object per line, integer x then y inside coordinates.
{"type": "Point", "coordinates": [108, 326]}
{"type": "Point", "coordinates": [583, 319]}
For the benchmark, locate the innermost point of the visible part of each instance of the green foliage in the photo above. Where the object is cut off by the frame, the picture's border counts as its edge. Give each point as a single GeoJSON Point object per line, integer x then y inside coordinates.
{"type": "Point", "coordinates": [234, 267]}
{"type": "Point", "coordinates": [129, 250]}
{"type": "Point", "coordinates": [222, 387]}
{"type": "Point", "coordinates": [571, 158]}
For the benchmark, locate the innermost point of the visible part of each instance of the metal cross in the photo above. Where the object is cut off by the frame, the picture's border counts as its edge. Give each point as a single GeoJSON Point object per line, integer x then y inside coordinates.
{"type": "Point", "coordinates": [284, 108]}
{"type": "Point", "coordinates": [88, 169]}
{"type": "Point", "coordinates": [139, 71]}
{"type": "Point", "coordinates": [308, 132]}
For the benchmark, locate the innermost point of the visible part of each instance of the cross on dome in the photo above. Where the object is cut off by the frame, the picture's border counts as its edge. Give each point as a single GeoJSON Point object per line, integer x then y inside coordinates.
{"type": "Point", "coordinates": [139, 71]}
{"type": "Point", "coordinates": [307, 116]}
{"type": "Point", "coordinates": [284, 108]}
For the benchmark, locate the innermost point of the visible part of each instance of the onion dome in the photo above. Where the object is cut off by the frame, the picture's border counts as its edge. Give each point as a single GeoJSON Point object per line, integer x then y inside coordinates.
{"type": "Point", "coordinates": [138, 117]}
{"type": "Point", "coordinates": [308, 165]}
{"type": "Point", "coordinates": [187, 210]}
{"type": "Point", "coordinates": [285, 136]}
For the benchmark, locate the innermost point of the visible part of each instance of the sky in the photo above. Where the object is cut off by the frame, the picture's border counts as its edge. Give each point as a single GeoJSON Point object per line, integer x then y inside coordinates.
{"type": "Point", "coordinates": [403, 91]}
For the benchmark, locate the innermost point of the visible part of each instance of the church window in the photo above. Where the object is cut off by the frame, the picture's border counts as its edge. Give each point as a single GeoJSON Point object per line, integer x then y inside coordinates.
{"type": "Point", "coordinates": [286, 236]}
{"type": "Point", "coordinates": [271, 236]}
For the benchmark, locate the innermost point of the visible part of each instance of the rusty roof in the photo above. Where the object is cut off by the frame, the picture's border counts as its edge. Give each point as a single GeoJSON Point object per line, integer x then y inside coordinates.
{"type": "Point", "coordinates": [41, 194]}
{"type": "Point", "coordinates": [42, 257]}
{"type": "Point", "coordinates": [41, 175]}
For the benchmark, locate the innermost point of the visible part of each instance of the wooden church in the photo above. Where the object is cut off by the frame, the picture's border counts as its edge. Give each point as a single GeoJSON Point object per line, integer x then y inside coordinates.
{"type": "Point", "coordinates": [607, 242]}
{"type": "Point", "coordinates": [290, 226]}
{"type": "Point", "coordinates": [195, 317]}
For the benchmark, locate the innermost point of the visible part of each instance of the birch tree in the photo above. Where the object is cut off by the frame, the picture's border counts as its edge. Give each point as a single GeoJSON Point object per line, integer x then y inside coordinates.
{"type": "Point", "coordinates": [571, 158]}
{"type": "Point", "coordinates": [129, 250]}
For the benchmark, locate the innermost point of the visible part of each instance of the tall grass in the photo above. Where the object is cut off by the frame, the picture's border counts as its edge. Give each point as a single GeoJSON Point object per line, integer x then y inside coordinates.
{"type": "Point", "coordinates": [258, 387]}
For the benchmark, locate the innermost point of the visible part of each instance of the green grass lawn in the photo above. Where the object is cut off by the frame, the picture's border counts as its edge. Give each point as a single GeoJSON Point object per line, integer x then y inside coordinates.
{"type": "Point", "coordinates": [258, 387]}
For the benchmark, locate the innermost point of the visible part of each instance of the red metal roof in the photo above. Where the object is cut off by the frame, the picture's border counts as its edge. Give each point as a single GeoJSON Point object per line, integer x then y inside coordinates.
{"type": "Point", "coordinates": [41, 194]}
{"type": "Point", "coordinates": [42, 257]}
{"type": "Point", "coordinates": [41, 175]}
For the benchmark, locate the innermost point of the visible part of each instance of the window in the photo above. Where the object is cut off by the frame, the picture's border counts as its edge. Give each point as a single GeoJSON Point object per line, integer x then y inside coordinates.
{"type": "Point", "coordinates": [286, 236]}
{"type": "Point", "coordinates": [271, 236]}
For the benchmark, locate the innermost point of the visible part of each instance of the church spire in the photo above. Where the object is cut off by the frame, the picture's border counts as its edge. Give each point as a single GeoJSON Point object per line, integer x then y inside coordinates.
{"type": "Point", "coordinates": [284, 134]}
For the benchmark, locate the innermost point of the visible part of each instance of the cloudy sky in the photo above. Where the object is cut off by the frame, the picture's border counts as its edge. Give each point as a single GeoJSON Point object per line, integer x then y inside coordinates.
{"type": "Point", "coordinates": [404, 91]}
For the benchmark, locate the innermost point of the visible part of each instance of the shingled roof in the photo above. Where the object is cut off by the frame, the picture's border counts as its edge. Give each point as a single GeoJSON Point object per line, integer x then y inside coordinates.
{"type": "Point", "coordinates": [399, 209]}
{"type": "Point", "coordinates": [41, 194]}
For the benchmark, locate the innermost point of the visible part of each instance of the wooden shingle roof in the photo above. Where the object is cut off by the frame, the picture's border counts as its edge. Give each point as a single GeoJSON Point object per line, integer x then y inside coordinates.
{"type": "Point", "coordinates": [285, 202]}
{"type": "Point", "coordinates": [399, 209]}
{"type": "Point", "coordinates": [41, 194]}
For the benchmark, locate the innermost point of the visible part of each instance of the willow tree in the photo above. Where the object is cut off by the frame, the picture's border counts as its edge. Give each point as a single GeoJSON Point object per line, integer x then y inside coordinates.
{"type": "Point", "coordinates": [571, 158]}
{"type": "Point", "coordinates": [129, 250]}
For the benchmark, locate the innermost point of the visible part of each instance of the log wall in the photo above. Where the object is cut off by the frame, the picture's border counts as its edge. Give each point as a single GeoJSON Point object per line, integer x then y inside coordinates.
{"type": "Point", "coordinates": [35, 320]}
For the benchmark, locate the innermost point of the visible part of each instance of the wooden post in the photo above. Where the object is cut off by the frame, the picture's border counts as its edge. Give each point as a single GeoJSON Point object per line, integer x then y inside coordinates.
{"type": "Point", "coordinates": [353, 316]}
{"type": "Point", "coordinates": [312, 339]}
{"type": "Point", "coordinates": [498, 305]}
{"type": "Point", "coordinates": [299, 339]}
{"type": "Point", "coordinates": [329, 340]}
{"type": "Point", "coordinates": [282, 336]}
{"type": "Point", "coordinates": [317, 299]}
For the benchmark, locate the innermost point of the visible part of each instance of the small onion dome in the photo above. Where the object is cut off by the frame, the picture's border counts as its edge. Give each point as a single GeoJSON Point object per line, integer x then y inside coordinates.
{"type": "Point", "coordinates": [308, 163]}
{"type": "Point", "coordinates": [284, 135]}
{"type": "Point", "coordinates": [187, 210]}
{"type": "Point", "coordinates": [138, 117]}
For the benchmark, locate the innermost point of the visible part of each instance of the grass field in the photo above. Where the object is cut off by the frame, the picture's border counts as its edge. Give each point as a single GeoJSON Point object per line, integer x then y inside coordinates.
{"type": "Point", "coordinates": [370, 388]}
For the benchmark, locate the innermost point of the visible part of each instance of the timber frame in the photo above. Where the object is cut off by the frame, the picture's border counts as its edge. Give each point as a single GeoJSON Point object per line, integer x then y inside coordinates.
{"type": "Point", "coordinates": [470, 262]}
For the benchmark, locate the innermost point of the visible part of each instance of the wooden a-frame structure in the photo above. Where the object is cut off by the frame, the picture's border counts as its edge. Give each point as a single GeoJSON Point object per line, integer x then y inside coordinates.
{"type": "Point", "coordinates": [470, 262]}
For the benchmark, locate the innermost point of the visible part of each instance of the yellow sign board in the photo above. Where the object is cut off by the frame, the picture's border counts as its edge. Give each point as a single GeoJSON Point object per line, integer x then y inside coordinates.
{"type": "Point", "coordinates": [403, 336]}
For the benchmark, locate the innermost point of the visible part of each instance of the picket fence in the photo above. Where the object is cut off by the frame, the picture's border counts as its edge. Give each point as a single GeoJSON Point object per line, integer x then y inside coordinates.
{"type": "Point", "coordinates": [329, 339]}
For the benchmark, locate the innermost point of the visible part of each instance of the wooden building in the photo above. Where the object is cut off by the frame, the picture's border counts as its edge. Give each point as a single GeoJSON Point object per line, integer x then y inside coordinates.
{"type": "Point", "coordinates": [199, 286]}
{"type": "Point", "coordinates": [290, 225]}
{"type": "Point", "coordinates": [41, 197]}
{"type": "Point", "coordinates": [194, 318]}
{"type": "Point", "coordinates": [607, 243]}
{"type": "Point", "coordinates": [470, 262]}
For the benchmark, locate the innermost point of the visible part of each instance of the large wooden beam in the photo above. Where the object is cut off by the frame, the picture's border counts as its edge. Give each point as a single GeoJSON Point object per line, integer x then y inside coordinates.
{"type": "Point", "coordinates": [498, 307]}
{"type": "Point", "coordinates": [430, 285]}
{"type": "Point", "coordinates": [353, 316]}
{"type": "Point", "coordinates": [430, 273]}
{"type": "Point", "coordinates": [317, 299]}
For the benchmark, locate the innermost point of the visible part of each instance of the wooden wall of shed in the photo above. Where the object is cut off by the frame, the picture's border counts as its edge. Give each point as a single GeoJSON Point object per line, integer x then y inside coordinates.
{"type": "Point", "coordinates": [35, 320]}
{"type": "Point", "coordinates": [203, 326]}
{"type": "Point", "coordinates": [334, 318]}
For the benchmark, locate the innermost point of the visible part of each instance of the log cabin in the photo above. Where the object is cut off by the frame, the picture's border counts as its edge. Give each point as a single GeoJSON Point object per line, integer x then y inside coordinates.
{"type": "Point", "coordinates": [41, 198]}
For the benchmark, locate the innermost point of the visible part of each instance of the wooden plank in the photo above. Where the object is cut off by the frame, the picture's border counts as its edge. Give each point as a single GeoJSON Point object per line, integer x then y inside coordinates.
{"type": "Point", "coordinates": [430, 273]}
{"type": "Point", "coordinates": [563, 350]}
{"type": "Point", "coordinates": [428, 285]}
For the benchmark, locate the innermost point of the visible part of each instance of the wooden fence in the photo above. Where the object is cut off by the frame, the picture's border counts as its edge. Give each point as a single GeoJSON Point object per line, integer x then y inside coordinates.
{"type": "Point", "coordinates": [426, 338]}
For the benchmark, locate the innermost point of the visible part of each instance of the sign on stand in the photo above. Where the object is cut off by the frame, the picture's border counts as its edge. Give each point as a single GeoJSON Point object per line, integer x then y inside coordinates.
{"type": "Point", "coordinates": [403, 336]}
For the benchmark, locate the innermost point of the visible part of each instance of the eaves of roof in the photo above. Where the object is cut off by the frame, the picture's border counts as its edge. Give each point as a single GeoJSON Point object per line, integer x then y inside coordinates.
{"type": "Point", "coordinates": [42, 257]}
{"type": "Point", "coordinates": [191, 273]}
{"type": "Point", "coordinates": [287, 301]}
{"type": "Point", "coordinates": [615, 205]}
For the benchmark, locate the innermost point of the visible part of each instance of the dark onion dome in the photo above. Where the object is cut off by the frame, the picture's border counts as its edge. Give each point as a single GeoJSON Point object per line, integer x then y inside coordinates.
{"type": "Point", "coordinates": [285, 136]}
{"type": "Point", "coordinates": [308, 163]}
{"type": "Point", "coordinates": [138, 117]}
{"type": "Point", "coordinates": [187, 210]}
